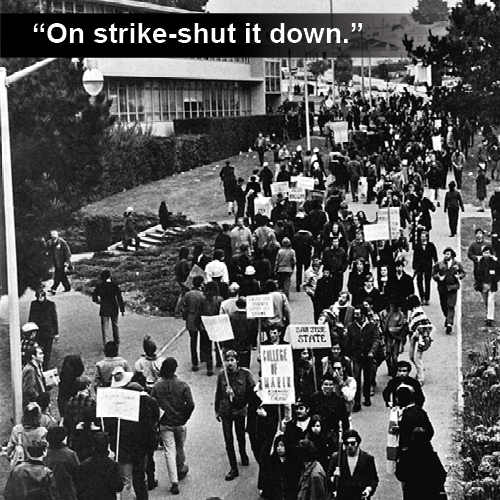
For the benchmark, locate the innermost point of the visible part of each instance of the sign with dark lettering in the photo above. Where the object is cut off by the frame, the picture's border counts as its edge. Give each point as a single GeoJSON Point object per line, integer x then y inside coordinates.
{"type": "Point", "coordinates": [309, 336]}
{"type": "Point", "coordinates": [277, 382]}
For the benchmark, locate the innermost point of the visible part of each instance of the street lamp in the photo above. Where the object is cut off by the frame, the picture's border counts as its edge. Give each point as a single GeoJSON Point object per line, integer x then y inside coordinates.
{"type": "Point", "coordinates": [91, 84]}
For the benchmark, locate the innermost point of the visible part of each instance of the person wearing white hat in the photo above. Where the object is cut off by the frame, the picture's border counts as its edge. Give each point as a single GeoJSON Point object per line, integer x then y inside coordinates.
{"type": "Point", "coordinates": [129, 230]}
{"type": "Point", "coordinates": [120, 377]}
{"type": "Point", "coordinates": [249, 284]}
{"type": "Point", "coordinates": [29, 332]}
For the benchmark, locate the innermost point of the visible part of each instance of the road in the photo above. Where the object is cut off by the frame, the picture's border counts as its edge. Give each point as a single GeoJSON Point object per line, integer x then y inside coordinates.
{"type": "Point", "coordinates": [80, 333]}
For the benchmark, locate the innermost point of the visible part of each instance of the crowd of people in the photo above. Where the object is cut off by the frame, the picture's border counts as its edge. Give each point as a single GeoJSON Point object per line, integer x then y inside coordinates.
{"type": "Point", "coordinates": [362, 290]}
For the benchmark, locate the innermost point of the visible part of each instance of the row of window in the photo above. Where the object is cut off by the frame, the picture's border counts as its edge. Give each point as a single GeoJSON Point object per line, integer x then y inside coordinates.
{"type": "Point", "coordinates": [81, 8]}
{"type": "Point", "coordinates": [167, 100]}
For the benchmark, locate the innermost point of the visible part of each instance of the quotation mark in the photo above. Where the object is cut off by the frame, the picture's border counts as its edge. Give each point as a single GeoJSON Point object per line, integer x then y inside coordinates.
{"type": "Point", "coordinates": [41, 29]}
{"type": "Point", "coordinates": [357, 27]}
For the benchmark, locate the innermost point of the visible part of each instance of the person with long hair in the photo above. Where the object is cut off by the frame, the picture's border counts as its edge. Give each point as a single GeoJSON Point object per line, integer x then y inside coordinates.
{"type": "Point", "coordinates": [317, 435]}
{"type": "Point", "coordinates": [23, 435]}
{"type": "Point", "coordinates": [72, 368]}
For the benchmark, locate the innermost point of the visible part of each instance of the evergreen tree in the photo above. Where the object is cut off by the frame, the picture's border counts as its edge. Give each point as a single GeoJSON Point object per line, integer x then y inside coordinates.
{"type": "Point", "coordinates": [430, 11]}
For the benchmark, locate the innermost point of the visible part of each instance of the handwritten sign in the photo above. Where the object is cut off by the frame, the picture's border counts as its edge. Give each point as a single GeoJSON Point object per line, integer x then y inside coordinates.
{"type": "Point", "coordinates": [218, 327]}
{"type": "Point", "coordinates": [195, 271]}
{"type": "Point", "coordinates": [263, 206]}
{"type": "Point", "coordinates": [260, 306]}
{"type": "Point", "coordinates": [340, 131]}
{"type": "Point", "coordinates": [305, 182]}
{"type": "Point", "coordinates": [118, 403]}
{"type": "Point", "coordinates": [436, 143]}
{"type": "Point", "coordinates": [376, 232]}
{"type": "Point", "coordinates": [390, 218]}
{"type": "Point", "coordinates": [297, 194]}
{"type": "Point", "coordinates": [277, 381]}
{"type": "Point", "coordinates": [51, 377]}
{"type": "Point", "coordinates": [310, 336]}
{"type": "Point", "coordinates": [280, 187]}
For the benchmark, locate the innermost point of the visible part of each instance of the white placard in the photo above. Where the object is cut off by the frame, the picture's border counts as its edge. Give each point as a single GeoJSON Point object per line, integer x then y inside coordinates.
{"type": "Point", "coordinates": [280, 187]}
{"type": "Point", "coordinates": [437, 143]}
{"type": "Point", "coordinates": [218, 327]}
{"type": "Point", "coordinates": [305, 182]}
{"type": "Point", "coordinates": [376, 232]}
{"type": "Point", "coordinates": [277, 380]}
{"type": "Point", "coordinates": [437, 123]}
{"type": "Point", "coordinates": [340, 131]}
{"type": "Point", "coordinates": [310, 336]}
{"type": "Point", "coordinates": [51, 377]}
{"type": "Point", "coordinates": [263, 205]}
{"type": "Point", "coordinates": [297, 194]}
{"type": "Point", "coordinates": [195, 271]}
{"type": "Point", "coordinates": [118, 403]}
{"type": "Point", "coordinates": [260, 306]}
{"type": "Point", "coordinates": [386, 215]}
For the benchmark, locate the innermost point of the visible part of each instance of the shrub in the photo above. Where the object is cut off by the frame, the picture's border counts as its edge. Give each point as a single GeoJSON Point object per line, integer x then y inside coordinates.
{"type": "Point", "coordinates": [98, 233]}
{"type": "Point", "coordinates": [229, 135]}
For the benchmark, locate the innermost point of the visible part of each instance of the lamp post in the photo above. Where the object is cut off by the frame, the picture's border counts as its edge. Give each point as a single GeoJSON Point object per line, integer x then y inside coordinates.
{"type": "Point", "coordinates": [10, 233]}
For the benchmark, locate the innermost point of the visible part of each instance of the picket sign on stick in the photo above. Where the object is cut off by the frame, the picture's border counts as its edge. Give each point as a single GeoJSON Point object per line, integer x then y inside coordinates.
{"type": "Point", "coordinates": [224, 369]}
{"type": "Point", "coordinates": [260, 306]}
{"type": "Point", "coordinates": [277, 380]}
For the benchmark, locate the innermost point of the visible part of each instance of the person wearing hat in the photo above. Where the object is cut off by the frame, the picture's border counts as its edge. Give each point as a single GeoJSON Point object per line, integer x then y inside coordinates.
{"type": "Point", "coordinates": [448, 273]}
{"type": "Point", "coordinates": [249, 284]}
{"type": "Point", "coordinates": [43, 313]}
{"type": "Point", "coordinates": [452, 205]}
{"type": "Point", "coordinates": [487, 275]}
{"type": "Point", "coordinates": [129, 230]}
{"type": "Point", "coordinates": [29, 333]}
{"type": "Point", "coordinates": [109, 296]}
{"type": "Point", "coordinates": [285, 265]}
{"type": "Point", "coordinates": [245, 333]}
{"type": "Point", "coordinates": [175, 399]}
{"type": "Point", "coordinates": [63, 462]}
{"type": "Point", "coordinates": [402, 377]}
{"type": "Point", "coordinates": [149, 363]}
{"type": "Point", "coordinates": [104, 368]}
{"type": "Point", "coordinates": [235, 388]}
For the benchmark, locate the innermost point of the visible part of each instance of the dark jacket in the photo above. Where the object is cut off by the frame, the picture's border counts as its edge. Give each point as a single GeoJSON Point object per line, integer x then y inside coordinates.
{"type": "Point", "coordinates": [64, 463]}
{"type": "Point", "coordinates": [99, 479]}
{"type": "Point", "coordinates": [30, 479]}
{"type": "Point", "coordinates": [487, 272]}
{"type": "Point", "coordinates": [423, 260]}
{"type": "Point", "coordinates": [175, 399]}
{"type": "Point", "coordinates": [413, 416]}
{"type": "Point", "coordinates": [398, 290]}
{"type": "Point", "coordinates": [280, 479]}
{"type": "Point", "coordinates": [109, 296]}
{"type": "Point", "coordinates": [242, 383]}
{"type": "Point", "coordinates": [244, 330]}
{"type": "Point", "coordinates": [335, 260]}
{"type": "Point", "coordinates": [312, 484]}
{"type": "Point", "coordinates": [44, 314]}
{"type": "Point", "coordinates": [361, 340]}
{"type": "Point", "coordinates": [392, 386]}
{"type": "Point", "coordinates": [365, 474]}
{"type": "Point", "coordinates": [333, 410]}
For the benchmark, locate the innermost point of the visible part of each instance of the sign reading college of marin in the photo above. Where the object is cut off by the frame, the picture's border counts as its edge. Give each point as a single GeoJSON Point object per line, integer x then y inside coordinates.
{"type": "Point", "coordinates": [310, 336]}
{"type": "Point", "coordinates": [260, 306]}
{"type": "Point", "coordinates": [117, 403]}
{"type": "Point", "coordinates": [277, 382]}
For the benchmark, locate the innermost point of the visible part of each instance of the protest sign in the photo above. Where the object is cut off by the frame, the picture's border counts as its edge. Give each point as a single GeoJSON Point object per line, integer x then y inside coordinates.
{"type": "Point", "coordinates": [376, 232]}
{"type": "Point", "coordinates": [390, 217]}
{"type": "Point", "coordinates": [340, 132]}
{"type": "Point", "coordinates": [263, 206]}
{"type": "Point", "coordinates": [436, 143]}
{"type": "Point", "coordinates": [218, 327]}
{"type": "Point", "coordinates": [437, 123]}
{"type": "Point", "coordinates": [260, 306]}
{"type": "Point", "coordinates": [305, 182]}
{"type": "Point", "coordinates": [316, 195]}
{"type": "Point", "coordinates": [117, 403]}
{"type": "Point", "coordinates": [310, 336]}
{"type": "Point", "coordinates": [277, 380]}
{"type": "Point", "coordinates": [51, 377]}
{"type": "Point", "coordinates": [280, 187]}
{"type": "Point", "coordinates": [195, 271]}
{"type": "Point", "coordinates": [297, 194]}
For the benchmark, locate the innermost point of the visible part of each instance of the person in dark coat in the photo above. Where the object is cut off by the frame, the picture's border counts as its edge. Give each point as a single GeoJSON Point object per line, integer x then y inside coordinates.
{"type": "Point", "coordinates": [230, 184]}
{"type": "Point", "coordinates": [420, 469]}
{"type": "Point", "coordinates": [266, 177]}
{"type": "Point", "coordinates": [99, 476]}
{"type": "Point", "coordinates": [403, 369]}
{"type": "Point", "coordinates": [303, 244]}
{"type": "Point", "coordinates": [245, 332]}
{"type": "Point", "coordinates": [164, 216]}
{"type": "Point", "coordinates": [63, 462]}
{"type": "Point", "coordinates": [400, 287]}
{"type": "Point", "coordinates": [452, 205]}
{"type": "Point", "coordinates": [349, 484]}
{"type": "Point", "coordinates": [325, 294]}
{"type": "Point", "coordinates": [424, 258]}
{"type": "Point", "coordinates": [223, 242]}
{"type": "Point", "coordinates": [43, 312]}
{"type": "Point", "coordinates": [60, 255]}
{"type": "Point", "coordinates": [72, 368]}
{"type": "Point", "coordinates": [109, 296]}
{"type": "Point", "coordinates": [481, 188]}
{"type": "Point", "coordinates": [129, 230]}
{"type": "Point", "coordinates": [281, 473]}
{"type": "Point", "coordinates": [312, 483]}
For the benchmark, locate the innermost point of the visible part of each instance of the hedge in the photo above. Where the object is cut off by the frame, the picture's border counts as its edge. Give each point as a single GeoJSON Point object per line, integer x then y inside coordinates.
{"type": "Point", "coordinates": [227, 136]}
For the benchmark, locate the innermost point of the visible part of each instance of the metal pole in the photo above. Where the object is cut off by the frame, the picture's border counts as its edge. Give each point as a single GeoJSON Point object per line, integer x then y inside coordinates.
{"type": "Point", "coordinates": [10, 242]}
{"type": "Point", "coordinates": [333, 57]}
{"type": "Point", "coordinates": [370, 74]}
{"type": "Point", "coordinates": [362, 68]}
{"type": "Point", "coordinates": [27, 71]}
{"type": "Point", "coordinates": [306, 97]}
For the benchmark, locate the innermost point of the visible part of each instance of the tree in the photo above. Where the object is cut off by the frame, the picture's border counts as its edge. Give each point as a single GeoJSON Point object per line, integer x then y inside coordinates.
{"type": "Point", "coordinates": [317, 68]}
{"type": "Point", "coordinates": [382, 71]}
{"type": "Point", "coordinates": [471, 51]}
{"type": "Point", "coordinates": [57, 143]}
{"type": "Point", "coordinates": [430, 11]}
{"type": "Point", "coordinates": [343, 68]}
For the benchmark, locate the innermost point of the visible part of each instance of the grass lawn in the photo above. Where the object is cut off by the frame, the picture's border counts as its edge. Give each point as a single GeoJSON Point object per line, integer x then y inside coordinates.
{"type": "Point", "coordinates": [198, 193]}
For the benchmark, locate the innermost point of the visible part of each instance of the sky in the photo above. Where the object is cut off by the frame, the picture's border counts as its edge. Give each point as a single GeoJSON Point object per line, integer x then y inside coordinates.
{"type": "Point", "coordinates": [313, 6]}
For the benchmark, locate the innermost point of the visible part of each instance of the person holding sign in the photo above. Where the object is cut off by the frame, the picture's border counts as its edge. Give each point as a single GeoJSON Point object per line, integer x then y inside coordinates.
{"type": "Point", "coordinates": [235, 387]}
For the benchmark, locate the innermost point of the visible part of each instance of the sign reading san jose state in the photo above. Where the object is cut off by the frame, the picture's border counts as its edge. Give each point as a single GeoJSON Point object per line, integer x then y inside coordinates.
{"type": "Point", "coordinates": [118, 403]}
{"type": "Point", "coordinates": [277, 380]}
{"type": "Point", "coordinates": [260, 306]}
{"type": "Point", "coordinates": [310, 336]}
